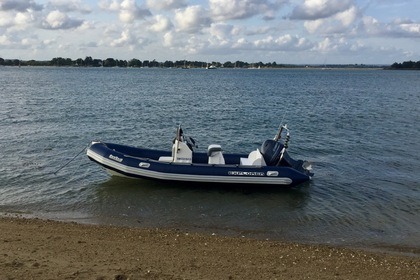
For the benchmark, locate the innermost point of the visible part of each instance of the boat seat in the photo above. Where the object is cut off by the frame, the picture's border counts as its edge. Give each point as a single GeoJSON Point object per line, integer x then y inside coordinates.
{"type": "Point", "coordinates": [166, 159]}
{"type": "Point", "coordinates": [215, 154]}
{"type": "Point", "coordinates": [254, 158]}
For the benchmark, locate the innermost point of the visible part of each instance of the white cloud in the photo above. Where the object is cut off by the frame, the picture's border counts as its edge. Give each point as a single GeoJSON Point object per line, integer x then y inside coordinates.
{"type": "Point", "coordinates": [370, 25]}
{"type": "Point", "coordinates": [168, 39]}
{"type": "Point", "coordinates": [341, 22]}
{"type": "Point", "coordinates": [6, 19]}
{"type": "Point", "coordinates": [221, 30]}
{"type": "Point", "coordinates": [411, 28]}
{"type": "Point", "coordinates": [130, 11]}
{"type": "Point", "coordinates": [397, 28]}
{"type": "Point", "coordinates": [23, 18]}
{"type": "Point", "coordinates": [111, 6]}
{"type": "Point", "coordinates": [166, 4]}
{"type": "Point", "coordinates": [160, 24]}
{"type": "Point", "coordinates": [285, 42]}
{"type": "Point", "coordinates": [348, 16]}
{"type": "Point", "coordinates": [69, 6]}
{"type": "Point", "coordinates": [129, 38]}
{"type": "Point", "coordinates": [241, 9]}
{"type": "Point", "coordinates": [87, 25]}
{"type": "Point", "coordinates": [5, 41]}
{"type": "Point", "coordinates": [191, 19]}
{"type": "Point", "coordinates": [194, 45]}
{"type": "Point", "coordinates": [19, 5]}
{"type": "Point", "coordinates": [313, 25]}
{"type": "Point", "coordinates": [242, 43]}
{"type": "Point", "coordinates": [16, 21]}
{"type": "Point", "coordinates": [318, 9]}
{"type": "Point", "coordinates": [59, 20]}
{"type": "Point", "coordinates": [340, 45]}
{"type": "Point", "coordinates": [124, 39]}
{"type": "Point", "coordinates": [325, 45]}
{"type": "Point", "coordinates": [127, 10]}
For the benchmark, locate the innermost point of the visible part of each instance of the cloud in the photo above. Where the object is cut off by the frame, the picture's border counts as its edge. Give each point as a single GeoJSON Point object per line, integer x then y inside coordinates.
{"type": "Point", "coordinates": [14, 42]}
{"type": "Point", "coordinates": [5, 40]}
{"type": "Point", "coordinates": [241, 9]}
{"type": "Point", "coordinates": [166, 4]}
{"type": "Point", "coordinates": [191, 19]}
{"type": "Point", "coordinates": [182, 43]}
{"type": "Point", "coordinates": [127, 10]}
{"type": "Point", "coordinates": [69, 6]}
{"type": "Point", "coordinates": [410, 28]}
{"type": "Point", "coordinates": [15, 20]}
{"type": "Point", "coordinates": [19, 5]}
{"type": "Point", "coordinates": [285, 42]}
{"type": "Point", "coordinates": [319, 9]}
{"type": "Point", "coordinates": [125, 39]}
{"type": "Point", "coordinates": [168, 39]}
{"type": "Point", "coordinates": [59, 20]}
{"type": "Point", "coordinates": [129, 39]}
{"type": "Point", "coordinates": [221, 30]}
{"type": "Point", "coordinates": [6, 19]}
{"type": "Point", "coordinates": [220, 34]}
{"type": "Point", "coordinates": [398, 28]}
{"type": "Point", "coordinates": [341, 45]}
{"type": "Point", "coordinates": [160, 24]}
{"type": "Point", "coordinates": [23, 18]}
{"type": "Point", "coordinates": [338, 23]}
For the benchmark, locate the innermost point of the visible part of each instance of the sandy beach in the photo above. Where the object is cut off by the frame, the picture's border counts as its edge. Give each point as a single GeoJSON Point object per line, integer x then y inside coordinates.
{"type": "Point", "coordinates": [44, 249]}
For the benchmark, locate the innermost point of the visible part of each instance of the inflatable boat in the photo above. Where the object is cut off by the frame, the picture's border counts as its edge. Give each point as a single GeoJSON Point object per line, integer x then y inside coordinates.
{"type": "Point", "coordinates": [269, 165]}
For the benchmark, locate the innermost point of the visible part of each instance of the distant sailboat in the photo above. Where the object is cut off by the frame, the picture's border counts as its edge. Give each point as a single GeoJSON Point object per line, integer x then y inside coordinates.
{"type": "Point", "coordinates": [185, 65]}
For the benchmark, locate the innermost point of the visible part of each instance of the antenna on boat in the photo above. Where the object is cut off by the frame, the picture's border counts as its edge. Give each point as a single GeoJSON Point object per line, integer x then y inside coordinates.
{"type": "Point", "coordinates": [279, 132]}
{"type": "Point", "coordinates": [282, 118]}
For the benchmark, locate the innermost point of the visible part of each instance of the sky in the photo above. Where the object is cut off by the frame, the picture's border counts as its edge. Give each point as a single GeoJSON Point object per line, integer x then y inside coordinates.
{"type": "Point", "coordinates": [281, 31]}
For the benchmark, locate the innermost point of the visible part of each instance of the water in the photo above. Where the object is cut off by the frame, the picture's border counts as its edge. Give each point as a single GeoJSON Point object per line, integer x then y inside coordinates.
{"type": "Point", "coordinates": [360, 130]}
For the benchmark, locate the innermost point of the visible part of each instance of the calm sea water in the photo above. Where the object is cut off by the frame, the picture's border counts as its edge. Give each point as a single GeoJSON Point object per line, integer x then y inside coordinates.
{"type": "Point", "coordinates": [360, 130]}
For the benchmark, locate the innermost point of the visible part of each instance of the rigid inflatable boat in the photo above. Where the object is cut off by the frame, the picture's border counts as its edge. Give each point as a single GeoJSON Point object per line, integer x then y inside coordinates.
{"type": "Point", "coordinates": [268, 165]}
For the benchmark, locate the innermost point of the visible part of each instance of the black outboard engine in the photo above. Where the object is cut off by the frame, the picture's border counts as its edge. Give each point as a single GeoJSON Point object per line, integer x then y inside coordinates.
{"type": "Point", "coordinates": [271, 151]}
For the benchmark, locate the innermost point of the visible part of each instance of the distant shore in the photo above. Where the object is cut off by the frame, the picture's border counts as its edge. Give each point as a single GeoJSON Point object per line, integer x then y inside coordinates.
{"type": "Point", "coordinates": [44, 249]}
{"type": "Point", "coordinates": [182, 64]}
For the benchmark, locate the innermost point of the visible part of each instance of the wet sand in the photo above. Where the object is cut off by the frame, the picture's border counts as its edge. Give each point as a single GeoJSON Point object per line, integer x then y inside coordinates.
{"type": "Point", "coordinates": [43, 249]}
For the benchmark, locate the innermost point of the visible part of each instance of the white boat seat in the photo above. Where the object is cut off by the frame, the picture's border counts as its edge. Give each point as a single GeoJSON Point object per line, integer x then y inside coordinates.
{"type": "Point", "coordinates": [215, 154]}
{"type": "Point", "coordinates": [254, 158]}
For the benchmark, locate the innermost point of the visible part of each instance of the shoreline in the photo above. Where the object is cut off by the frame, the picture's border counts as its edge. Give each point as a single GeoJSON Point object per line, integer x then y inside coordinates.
{"type": "Point", "coordinates": [380, 248]}
{"type": "Point", "coordinates": [46, 249]}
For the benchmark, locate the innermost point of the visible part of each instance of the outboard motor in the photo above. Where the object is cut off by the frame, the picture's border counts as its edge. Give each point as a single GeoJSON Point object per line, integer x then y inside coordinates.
{"type": "Point", "coordinates": [271, 151]}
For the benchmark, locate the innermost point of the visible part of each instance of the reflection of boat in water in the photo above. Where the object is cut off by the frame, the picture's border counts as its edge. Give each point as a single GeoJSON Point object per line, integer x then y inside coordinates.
{"type": "Point", "coordinates": [270, 165]}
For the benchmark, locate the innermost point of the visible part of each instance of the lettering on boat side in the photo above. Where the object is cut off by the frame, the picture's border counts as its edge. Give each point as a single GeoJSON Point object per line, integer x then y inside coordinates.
{"type": "Point", "coordinates": [115, 158]}
{"type": "Point", "coordinates": [245, 173]}
{"type": "Point", "coordinates": [183, 158]}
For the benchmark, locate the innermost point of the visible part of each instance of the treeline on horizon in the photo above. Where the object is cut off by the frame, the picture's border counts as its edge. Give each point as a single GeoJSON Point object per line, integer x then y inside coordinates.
{"type": "Point", "coordinates": [111, 62]}
{"type": "Point", "coordinates": [406, 65]}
